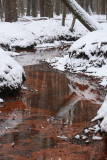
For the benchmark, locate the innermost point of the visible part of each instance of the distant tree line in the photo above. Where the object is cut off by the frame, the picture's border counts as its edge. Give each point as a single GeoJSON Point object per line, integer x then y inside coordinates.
{"type": "Point", "coordinates": [10, 10]}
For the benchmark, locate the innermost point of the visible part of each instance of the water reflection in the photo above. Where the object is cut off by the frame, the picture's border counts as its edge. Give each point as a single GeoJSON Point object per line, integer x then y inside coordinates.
{"type": "Point", "coordinates": [61, 96]}
{"type": "Point", "coordinates": [57, 106]}
{"type": "Point", "coordinates": [53, 91]}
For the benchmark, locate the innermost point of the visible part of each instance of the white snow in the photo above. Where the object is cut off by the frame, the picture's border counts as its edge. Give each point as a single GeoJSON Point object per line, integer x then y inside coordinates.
{"type": "Point", "coordinates": [77, 137]}
{"type": "Point", "coordinates": [94, 47]}
{"type": "Point", "coordinates": [86, 17]}
{"type": "Point", "coordinates": [1, 100]}
{"type": "Point", "coordinates": [26, 33]}
{"type": "Point", "coordinates": [10, 72]}
{"type": "Point", "coordinates": [97, 138]}
{"type": "Point", "coordinates": [102, 114]}
{"type": "Point", "coordinates": [62, 136]}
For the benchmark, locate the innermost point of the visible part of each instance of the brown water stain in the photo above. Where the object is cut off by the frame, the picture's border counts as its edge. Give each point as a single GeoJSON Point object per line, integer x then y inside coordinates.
{"type": "Point", "coordinates": [54, 109]}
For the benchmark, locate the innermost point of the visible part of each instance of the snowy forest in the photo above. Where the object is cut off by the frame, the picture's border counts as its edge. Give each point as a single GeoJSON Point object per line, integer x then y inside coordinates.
{"type": "Point", "coordinates": [53, 79]}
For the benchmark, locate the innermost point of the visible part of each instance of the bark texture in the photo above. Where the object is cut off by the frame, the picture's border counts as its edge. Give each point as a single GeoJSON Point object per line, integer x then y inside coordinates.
{"type": "Point", "coordinates": [41, 3]}
{"type": "Point", "coordinates": [10, 11]}
{"type": "Point", "coordinates": [48, 8]}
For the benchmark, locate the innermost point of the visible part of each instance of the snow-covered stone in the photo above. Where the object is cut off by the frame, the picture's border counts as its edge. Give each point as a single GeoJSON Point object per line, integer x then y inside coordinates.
{"type": "Point", "coordinates": [11, 73]}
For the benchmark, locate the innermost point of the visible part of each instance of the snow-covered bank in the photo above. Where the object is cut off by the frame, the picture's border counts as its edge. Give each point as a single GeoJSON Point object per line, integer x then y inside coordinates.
{"type": "Point", "coordinates": [87, 55]}
{"type": "Point", "coordinates": [12, 74]}
{"type": "Point", "coordinates": [30, 31]}
{"type": "Point", "coordinates": [102, 115]}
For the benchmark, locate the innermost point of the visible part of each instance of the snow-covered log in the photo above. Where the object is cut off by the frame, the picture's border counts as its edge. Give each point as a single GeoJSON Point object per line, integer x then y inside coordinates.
{"type": "Point", "coordinates": [82, 15]}
{"type": "Point", "coordinates": [12, 74]}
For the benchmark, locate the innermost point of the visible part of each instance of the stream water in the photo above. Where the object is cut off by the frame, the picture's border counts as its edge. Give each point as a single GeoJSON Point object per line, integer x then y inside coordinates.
{"type": "Point", "coordinates": [42, 122]}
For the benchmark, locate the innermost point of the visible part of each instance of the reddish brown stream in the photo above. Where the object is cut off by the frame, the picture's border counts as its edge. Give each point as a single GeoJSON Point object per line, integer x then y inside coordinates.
{"type": "Point", "coordinates": [42, 123]}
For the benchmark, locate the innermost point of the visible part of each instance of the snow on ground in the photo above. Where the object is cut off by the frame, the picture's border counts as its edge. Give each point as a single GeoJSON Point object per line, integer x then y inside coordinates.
{"type": "Point", "coordinates": [87, 55]}
{"type": "Point", "coordinates": [11, 73]}
{"type": "Point", "coordinates": [32, 30]}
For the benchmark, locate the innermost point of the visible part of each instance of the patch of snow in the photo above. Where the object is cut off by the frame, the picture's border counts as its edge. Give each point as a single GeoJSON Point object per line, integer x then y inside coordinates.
{"type": "Point", "coordinates": [24, 88]}
{"type": "Point", "coordinates": [86, 130]}
{"type": "Point", "coordinates": [63, 137]}
{"type": "Point", "coordinates": [84, 137]}
{"type": "Point", "coordinates": [102, 114]}
{"type": "Point", "coordinates": [77, 137]}
{"type": "Point", "coordinates": [11, 73]}
{"type": "Point", "coordinates": [1, 100]}
{"type": "Point", "coordinates": [97, 138]}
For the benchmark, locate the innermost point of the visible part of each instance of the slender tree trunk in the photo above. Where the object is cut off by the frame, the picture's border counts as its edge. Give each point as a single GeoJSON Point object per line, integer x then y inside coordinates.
{"type": "Point", "coordinates": [41, 3]}
{"type": "Point", "coordinates": [82, 15]}
{"type": "Point", "coordinates": [98, 6]}
{"type": "Point", "coordinates": [1, 10]}
{"type": "Point", "coordinates": [87, 5]}
{"type": "Point", "coordinates": [57, 7]}
{"type": "Point", "coordinates": [10, 11]}
{"type": "Point", "coordinates": [103, 6]}
{"type": "Point", "coordinates": [22, 7]}
{"type": "Point", "coordinates": [106, 8]}
{"type": "Point", "coordinates": [48, 8]}
{"type": "Point", "coordinates": [14, 11]}
{"type": "Point", "coordinates": [34, 8]}
{"type": "Point", "coordinates": [63, 14]}
{"type": "Point", "coordinates": [18, 7]}
{"type": "Point", "coordinates": [28, 7]}
{"type": "Point", "coordinates": [73, 23]}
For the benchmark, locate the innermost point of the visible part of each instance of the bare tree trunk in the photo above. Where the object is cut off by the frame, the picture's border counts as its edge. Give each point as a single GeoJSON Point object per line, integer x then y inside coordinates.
{"type": "Point", "coordinates": [18, 7]}
{"type": "Point", "coordinates": [98, 6]}
{"type": "Point", "coordinates": [41, 3]}
{"type": "Point", "coordinates": [82, 15]}
{"type": "Point", "coordinates": [1, 10]}
{"type": "Point", "coordinates": [28, 7]}
{"type": "Point", "coordinates": [57, 7]}
{"type": "Point", "coordinates": [63, 14]}
{"type": "Point", "coordinates": [48, 8]}
{"type": "Point", "coordinates": [22, 7]}
{"type": "Point", "coordinates": [34, 8]}
{"type": "Point", "coordinates": [13, 11]}
{"type": "Point", "coordinates": [106, 9]}
{"type": "Point", "coordinates": [73, 23]}
{"type": "Point", "coordinates": [10, 11]}
{"type": "Point", "coordinates": [103, 6]}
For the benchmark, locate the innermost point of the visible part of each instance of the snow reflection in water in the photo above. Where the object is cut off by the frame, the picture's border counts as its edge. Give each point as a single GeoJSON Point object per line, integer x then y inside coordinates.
{"type": "Point", "coordinates": [57, 107]}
